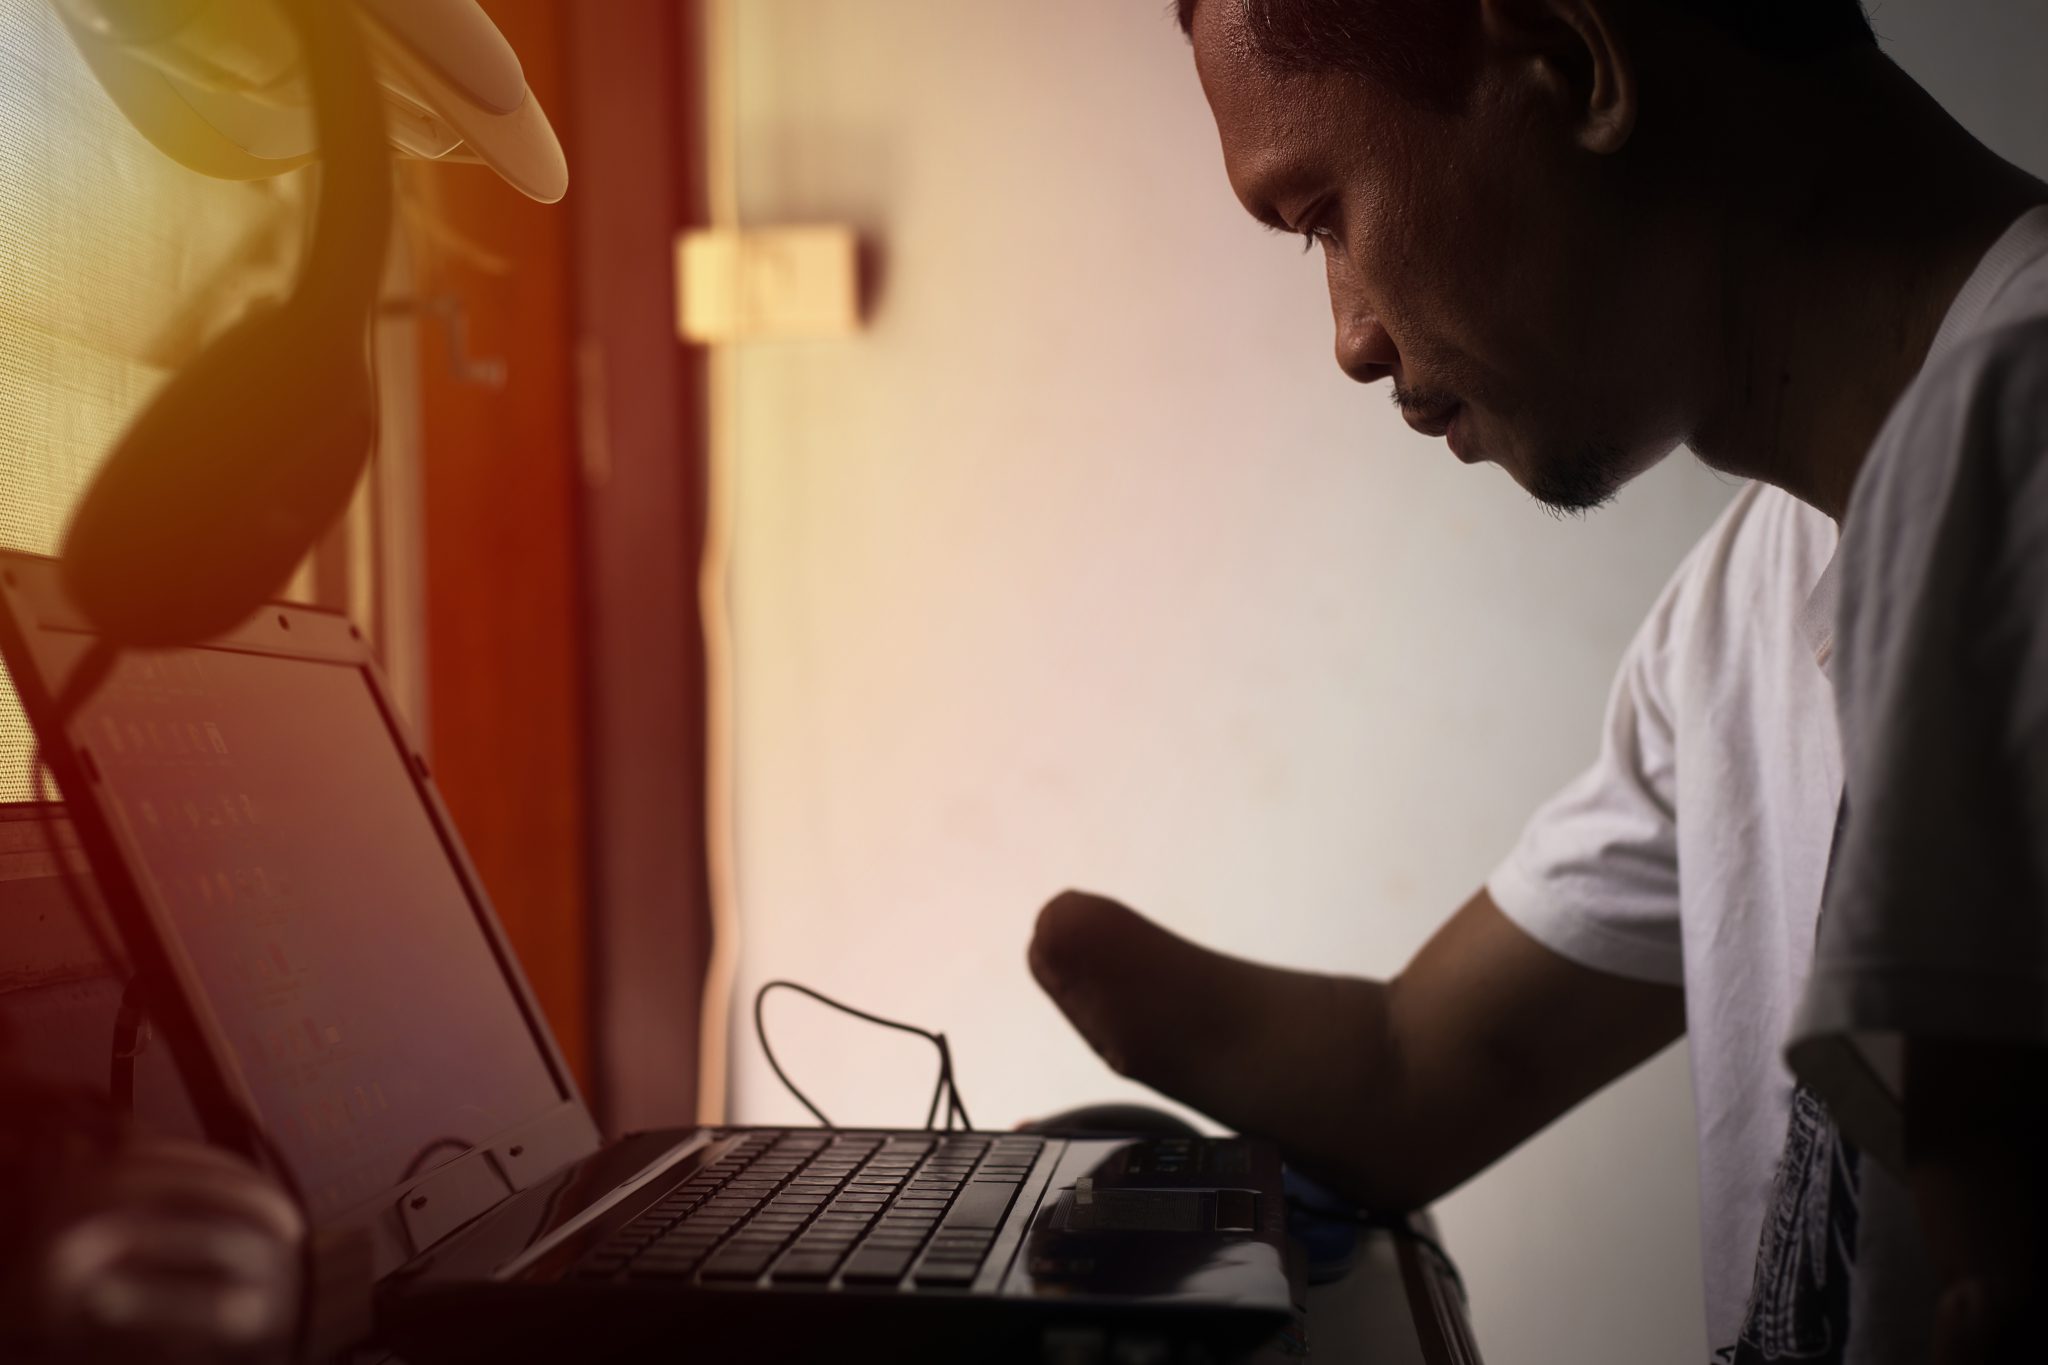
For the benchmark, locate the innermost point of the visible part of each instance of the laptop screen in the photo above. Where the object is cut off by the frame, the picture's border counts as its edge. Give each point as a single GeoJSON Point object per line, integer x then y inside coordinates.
{"type": "Point", "coordinates": [305, 879]}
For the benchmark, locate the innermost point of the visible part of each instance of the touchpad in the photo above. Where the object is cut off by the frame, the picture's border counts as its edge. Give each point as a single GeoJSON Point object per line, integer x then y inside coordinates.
{"type": "Point", "coordinates": [1113, 1210]}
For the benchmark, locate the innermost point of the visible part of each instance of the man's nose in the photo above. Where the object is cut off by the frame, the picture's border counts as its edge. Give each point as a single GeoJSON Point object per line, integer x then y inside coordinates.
{"type": "Point", "coordinates": [1364, 349]}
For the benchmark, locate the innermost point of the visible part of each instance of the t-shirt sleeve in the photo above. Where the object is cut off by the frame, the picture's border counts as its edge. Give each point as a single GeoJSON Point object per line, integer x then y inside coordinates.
{"type": "Point", "coordinates": [1935, 922]}
{"type": "Point", "coordinates": [1594, 876]}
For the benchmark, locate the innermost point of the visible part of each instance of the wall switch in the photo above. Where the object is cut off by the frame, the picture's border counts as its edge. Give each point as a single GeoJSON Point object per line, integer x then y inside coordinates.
{"type": "Point", "coordinates": [763, 284]}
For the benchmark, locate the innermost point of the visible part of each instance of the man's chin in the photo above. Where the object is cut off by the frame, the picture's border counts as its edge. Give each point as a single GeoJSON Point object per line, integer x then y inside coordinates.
{"type": "Point", "coordinates": [1573, 484]}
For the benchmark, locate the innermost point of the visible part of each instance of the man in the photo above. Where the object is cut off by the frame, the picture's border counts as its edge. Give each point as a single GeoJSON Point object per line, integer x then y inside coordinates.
{"type": "Point", "coordinates": [1574, 234]}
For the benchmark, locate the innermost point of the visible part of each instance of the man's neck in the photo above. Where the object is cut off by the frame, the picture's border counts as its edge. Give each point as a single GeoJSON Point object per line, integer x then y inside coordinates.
{"type": "Point", "coordinates": [1841, 262]}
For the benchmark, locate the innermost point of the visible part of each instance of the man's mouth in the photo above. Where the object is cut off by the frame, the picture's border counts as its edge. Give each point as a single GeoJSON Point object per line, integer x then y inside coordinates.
{"type": "Point", "coordinates": [1433, 414]}
{"type": "Point", "coordinates": [1440, 419]}
{"type": "Point", "coordinates": [1432, 420]}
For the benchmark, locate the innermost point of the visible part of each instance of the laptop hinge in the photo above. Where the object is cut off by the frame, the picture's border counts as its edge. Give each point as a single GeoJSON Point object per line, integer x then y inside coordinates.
{"type": "Point", "coordinates": [454, 1194]}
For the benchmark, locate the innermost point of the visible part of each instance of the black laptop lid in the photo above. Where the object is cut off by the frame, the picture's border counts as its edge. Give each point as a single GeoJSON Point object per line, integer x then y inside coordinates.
{"type": "Point", "coordinates": [288, 849]}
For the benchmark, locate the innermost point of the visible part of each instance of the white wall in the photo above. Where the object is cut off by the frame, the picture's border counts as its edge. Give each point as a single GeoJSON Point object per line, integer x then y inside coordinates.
{"type": "Point", "coordinates": [1084, 566]}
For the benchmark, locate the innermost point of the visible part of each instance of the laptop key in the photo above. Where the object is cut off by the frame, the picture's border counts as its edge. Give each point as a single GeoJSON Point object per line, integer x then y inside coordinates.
{"type": "Point", "coordinates": [710, 1227]}
{"type": "Point", "coordinates": [699, 1249]}
{"type": "Point", "coordinates": [695, 1231]}
{"type": "Point", "coordinates": [972, 1255]}
{"type": "Point", "coordinates": [834, 1227]}
{"type": "Point", "coordinates": [877, 1265]}
{"type": "Point", "coordinates": [739, 1263]}
{"type": "Point", "coordinates": [965, 1237]}
{"type": "Point", "coordinates": [758, 1232]}
{"type": "Point", "coordinates": [918, 1230]}
{"type": "Point", "coordinates": [644, 1269]}
{"type": "Point", "coordinates": [981, 1204]}
{"type": "Point", "coordinates": [804, 1268]}
{"type": "Point", "coordinates": [947, 1273]}
{"type": "Point", "coordinates": [828, 1247]}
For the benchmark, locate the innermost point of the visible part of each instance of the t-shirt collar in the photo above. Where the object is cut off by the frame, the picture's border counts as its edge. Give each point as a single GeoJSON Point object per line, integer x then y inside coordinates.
{"type": "Point", "coordinates": [1817, 617]}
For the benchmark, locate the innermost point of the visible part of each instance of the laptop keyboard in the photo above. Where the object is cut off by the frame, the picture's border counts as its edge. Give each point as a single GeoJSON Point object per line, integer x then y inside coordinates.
{"type": "Point", "coordinates": [808, 1208]}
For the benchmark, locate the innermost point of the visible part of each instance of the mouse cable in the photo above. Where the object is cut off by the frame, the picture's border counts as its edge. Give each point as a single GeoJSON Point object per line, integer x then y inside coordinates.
{"type": "Point", "coordinates": [945, 1089]}
{"type": "Point", "coordinates": [1385, 1222]}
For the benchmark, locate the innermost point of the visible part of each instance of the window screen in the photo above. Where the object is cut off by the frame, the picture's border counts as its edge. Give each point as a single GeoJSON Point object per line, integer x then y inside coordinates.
{"type": "Point", "coordinates": [115, 264]}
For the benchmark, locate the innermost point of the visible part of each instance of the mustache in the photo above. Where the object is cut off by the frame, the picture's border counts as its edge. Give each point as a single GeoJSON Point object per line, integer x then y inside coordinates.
{"type": "Point", "coordinates": [1426, 402]}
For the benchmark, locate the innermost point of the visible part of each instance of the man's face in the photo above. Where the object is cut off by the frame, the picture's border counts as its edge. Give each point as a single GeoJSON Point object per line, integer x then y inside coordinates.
{"type": "Point", "coordinates": [1483, 259]}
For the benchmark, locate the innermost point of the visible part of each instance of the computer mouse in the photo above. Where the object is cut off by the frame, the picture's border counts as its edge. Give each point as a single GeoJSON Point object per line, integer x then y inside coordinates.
{"type": "Point", "coordinates": [1113, 1120]}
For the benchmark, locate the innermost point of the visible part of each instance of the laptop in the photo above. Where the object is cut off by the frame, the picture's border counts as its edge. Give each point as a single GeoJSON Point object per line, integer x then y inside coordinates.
{"type": "Point", "coordinates": [323, 963]}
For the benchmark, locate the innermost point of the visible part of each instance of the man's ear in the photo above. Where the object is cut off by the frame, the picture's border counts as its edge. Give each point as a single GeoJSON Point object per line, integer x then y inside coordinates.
{"type": "Point", "coordinates": [1571, 49]}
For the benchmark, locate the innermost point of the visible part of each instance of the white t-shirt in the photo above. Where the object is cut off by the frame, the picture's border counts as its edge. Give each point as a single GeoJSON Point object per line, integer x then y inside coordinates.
{"type": "Point", "coordinates": [1696, 849]}
{"type": "Point", "coordinates": [1693, 851]}
{"type": "Point", "coordinates": [1936, 924]}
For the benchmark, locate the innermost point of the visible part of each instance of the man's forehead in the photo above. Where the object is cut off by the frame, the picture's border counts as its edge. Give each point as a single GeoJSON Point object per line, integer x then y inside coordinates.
{"type": "Point", "coordinates": [1220, 34]}
{"type": "Point", "coordinates": [1269, 121]}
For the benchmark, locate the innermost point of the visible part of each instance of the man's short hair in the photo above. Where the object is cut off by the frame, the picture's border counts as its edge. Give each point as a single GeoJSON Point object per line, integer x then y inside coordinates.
{"type": "Point", "coordinates": [1410, 45]}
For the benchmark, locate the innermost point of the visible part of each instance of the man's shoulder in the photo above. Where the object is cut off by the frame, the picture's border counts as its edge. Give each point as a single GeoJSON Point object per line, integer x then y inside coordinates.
{"type": "Point", "coordinates": [1766, 551]}
{"type": "Point", "coordinates": [1947, 533]}
{"type": "Point", "coordinates": [1967, 442]}
{"type": "Point", "coordinates": [1979, 407]}
{"type": "Point", "coordinates": [1737, 607]}
{"type": "Point", "coordinates": [1990, 393]}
